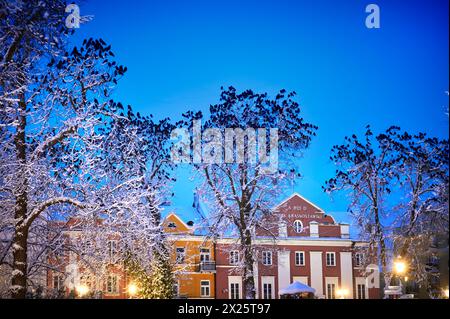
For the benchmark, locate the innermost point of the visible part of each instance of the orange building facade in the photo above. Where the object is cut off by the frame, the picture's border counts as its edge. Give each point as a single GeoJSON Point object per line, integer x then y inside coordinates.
{"type": "Point", "coordinates": [193, 257]}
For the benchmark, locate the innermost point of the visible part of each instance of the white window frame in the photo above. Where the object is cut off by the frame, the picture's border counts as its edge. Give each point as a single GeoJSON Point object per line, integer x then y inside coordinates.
{"type": "Point", "coordinates": [361, 291]}
{"type": "Point", "coordinates": [296, 224]}
{"type": "Point", "coordinates": [266, 283]}
{"type": "Point", "coordinates": [331, 281]}
{"type": "Point", "coordinates": [361, 281]}
{"type": "Point", "coordinates": [206, 287]}
{"type": "Point", "coordinates": [60, 282]}
{"type": "Point", "coordinates": [302, 259]}
{"type": "Point", "coordinates": [203, 253]}
{"type": "Point", "coordinates": [235, 280]}
{"type": "Point", "coordinates": [331, 290]}
{"type": "Point", "coordinates": [359, 258]}
{"type": "Point", "coordinates": [266, 258]}
{"type": "Point", "coordinates": [234, 257]}
{"type": "Point", "coordinates": [267, 290]}
{"type": "Point", "coordinates": [332, 253]}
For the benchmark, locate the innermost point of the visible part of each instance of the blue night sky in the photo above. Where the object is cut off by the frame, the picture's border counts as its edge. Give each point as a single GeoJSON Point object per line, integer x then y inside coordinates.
{"type": "Point", "coordinates": [179, 54]}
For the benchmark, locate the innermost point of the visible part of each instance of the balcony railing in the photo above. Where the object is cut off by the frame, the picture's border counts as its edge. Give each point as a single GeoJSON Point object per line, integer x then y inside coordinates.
{"type": "Point", "coordinates": [207, 266]}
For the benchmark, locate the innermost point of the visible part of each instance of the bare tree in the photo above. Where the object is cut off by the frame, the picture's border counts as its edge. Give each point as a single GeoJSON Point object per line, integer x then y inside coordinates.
{"type": "Point", "coordinates": [240, 187]}
{"type": "Point", "coordinates": [364, 173]}
{"type": "Point", "coordinates": [398, 191]}
{"type": "Point", "coordinates": [63, 141]}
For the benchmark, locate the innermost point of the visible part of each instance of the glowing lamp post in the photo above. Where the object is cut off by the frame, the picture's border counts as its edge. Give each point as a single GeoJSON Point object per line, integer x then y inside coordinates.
{"type": "Point", "coordinates": [342, 293]}
{"type": "Point", "coordinates": [132, 290]}
{"type": "Point", "coordinates": [82, 290]}
{"type": "Point", "coordinates": [400, 269]}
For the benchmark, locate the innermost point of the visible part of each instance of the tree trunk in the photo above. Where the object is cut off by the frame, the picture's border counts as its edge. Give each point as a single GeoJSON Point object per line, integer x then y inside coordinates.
{"type": "Point", "coordinates": [19, 278]}
{"type": "Point", "coordinates": [20, 240]}
{"type": "Point", "coordinates": [248, 280]}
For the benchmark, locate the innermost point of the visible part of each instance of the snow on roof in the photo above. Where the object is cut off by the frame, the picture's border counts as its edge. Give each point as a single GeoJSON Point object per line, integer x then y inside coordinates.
{"type": "Point", "coordinates": [187, 213]}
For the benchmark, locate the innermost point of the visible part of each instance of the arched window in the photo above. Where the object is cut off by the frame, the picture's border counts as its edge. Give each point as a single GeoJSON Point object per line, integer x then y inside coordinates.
{"type": "Point", "coordinates": [298, 226]}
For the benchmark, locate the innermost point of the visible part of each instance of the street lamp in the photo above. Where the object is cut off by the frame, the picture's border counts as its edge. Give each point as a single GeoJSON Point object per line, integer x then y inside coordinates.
{"type": "Point", "coordinates": [132, 289]}
{"type": "Point", "coordinates": [342, 293]}
{"type": "Point", "coordinates": [400, 267]}
{"type": "Point", "coordinates": [82, 290]}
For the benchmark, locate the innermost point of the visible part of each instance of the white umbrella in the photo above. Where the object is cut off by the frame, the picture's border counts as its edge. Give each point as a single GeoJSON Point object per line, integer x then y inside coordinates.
{"type": "Point", "coordinates": [295, 288]}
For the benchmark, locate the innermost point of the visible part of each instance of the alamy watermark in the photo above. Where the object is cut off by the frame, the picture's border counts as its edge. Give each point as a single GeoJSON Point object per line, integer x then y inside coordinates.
{"type": "Point", "coordinates": [258, 147]}
{"type": "Point", "coordinates": [73, 19]}
{"type": "Point", "coordinates": [373, 19]}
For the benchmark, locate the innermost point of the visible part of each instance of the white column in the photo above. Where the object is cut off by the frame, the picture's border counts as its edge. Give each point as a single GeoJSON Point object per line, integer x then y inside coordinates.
{"type": "Point", "coordinates": [347, 272]}
{"type": "Point", "coordinates": [284, 269]}
{"type": "Point", "coordinates": [256, 279]}
{"type": "Point", "coordinates": [316, 272]}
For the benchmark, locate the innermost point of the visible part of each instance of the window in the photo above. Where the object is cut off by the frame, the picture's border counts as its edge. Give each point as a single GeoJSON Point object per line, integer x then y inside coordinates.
{"type": "Point", "coordinates": [204, 288]}
{"type": "Point", "coordinates": [331, 291]}
{"type": "Point", "coordinates": [234, 291]}
{"type": "Point", "coordinates": [204, 254]}
{"type": "Point", "coordinates": [234, 257]}
{"type": "Point", "coordinates": [172, 225]}
{"type": "Point", "coordinates": [112, 284]}
{"type": "Point", "coordinates": [331, 259]}
{"type": "Point", "coordinates": [58, 282]}
{"type": "Point", "coordinates": [298, 226]}
{"type": "Point", "coordinates": [361, 291]}
{"type": "Point", "coordinates": [267, 258]}
{"type": "Point", "coordinates": [180, 255]}
{"type": "Point", "coordinates": [176, 289]}
{"type": "Point", "coordinates": [299, 258]}
{"type": "Point", "coordinates": [112, 249]}
{"type": "Point", "coordinates": [359, 259]}
{"type": "Point", "coordinates": [267, 291]}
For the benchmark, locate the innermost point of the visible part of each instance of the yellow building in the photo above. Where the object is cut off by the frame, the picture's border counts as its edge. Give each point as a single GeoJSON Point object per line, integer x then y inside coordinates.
{"type": "Point", "coordinates": [193, 259]}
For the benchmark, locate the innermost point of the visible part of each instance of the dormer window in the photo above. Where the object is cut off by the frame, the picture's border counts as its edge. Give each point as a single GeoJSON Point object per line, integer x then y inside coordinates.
{"type": "Point", "coordinates": [298, 226]}
{"type": "Point", "coordinates": [172, 225]}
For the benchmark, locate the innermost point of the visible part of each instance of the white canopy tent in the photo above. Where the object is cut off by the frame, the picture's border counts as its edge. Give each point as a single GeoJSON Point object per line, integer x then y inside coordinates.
{"type": "Point", "coordinates": [296, 288]}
